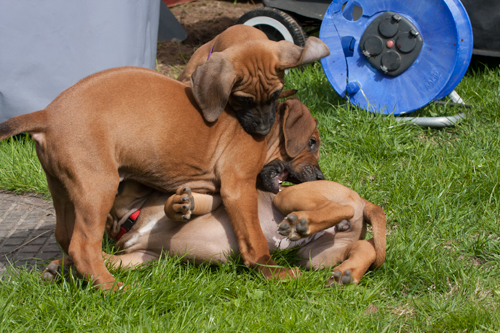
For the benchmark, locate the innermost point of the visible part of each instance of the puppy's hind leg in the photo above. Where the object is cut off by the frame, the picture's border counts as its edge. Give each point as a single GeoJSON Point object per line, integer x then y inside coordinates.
{"type": "Point", "coordinates": [308, 213]}
{"type": "Point", "coordinates": [329, 250]}
{"type": "Point", "coordinates": [358, 257]}
{"type": "Point", "coordinates": [65, 212]}
{"type": "Point", "coordinates": [93, 194]}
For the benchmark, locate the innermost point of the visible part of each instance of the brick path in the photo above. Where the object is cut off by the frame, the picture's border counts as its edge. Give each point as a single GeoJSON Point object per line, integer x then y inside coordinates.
{"type": "Point", "coordinates": [27, 225]}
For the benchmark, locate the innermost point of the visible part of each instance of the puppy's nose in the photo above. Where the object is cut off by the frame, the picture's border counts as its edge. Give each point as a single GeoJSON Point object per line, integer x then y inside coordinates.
{"type": "Point", "coordinates": [266, 121]}
{"type": "Point", "coordinates": [262, 129]}
{"type": "Point", "coordinates": [319, 175]}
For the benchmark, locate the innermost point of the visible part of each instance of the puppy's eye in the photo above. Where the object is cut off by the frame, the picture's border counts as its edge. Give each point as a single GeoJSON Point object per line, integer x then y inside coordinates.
{"type": "Point", "coordinates": [243, 100]}
{"type": "Point", "coordinates": [276, 95]}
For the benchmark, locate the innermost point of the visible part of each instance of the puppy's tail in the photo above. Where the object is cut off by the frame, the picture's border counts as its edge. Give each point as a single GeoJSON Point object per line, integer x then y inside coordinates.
{"type": "Point", "coordinates": [375, 216]}
{"type": "Point", "coordinates": [31, 122]}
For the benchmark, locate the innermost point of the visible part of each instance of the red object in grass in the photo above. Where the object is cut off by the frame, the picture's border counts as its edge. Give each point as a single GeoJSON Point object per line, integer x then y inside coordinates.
{"type": "Point", "coordinates": [171, 3]}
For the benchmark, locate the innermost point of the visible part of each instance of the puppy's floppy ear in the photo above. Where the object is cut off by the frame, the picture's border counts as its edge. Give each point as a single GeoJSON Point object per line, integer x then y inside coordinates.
{"type": "Point", "coordinates": [287, 93]}
{"type": "Point", "coordinates": [298, 125]}
{"type": "Point", "coordinates": [212, 83]}
{"type": "Point", "coordinates": [291, 55]}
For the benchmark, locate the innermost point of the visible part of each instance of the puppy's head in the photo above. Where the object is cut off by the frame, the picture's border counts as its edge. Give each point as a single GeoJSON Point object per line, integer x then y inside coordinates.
{"type": "Point", "coordinates": [297, 158]}
{"type": "Point", "coordinates": [129, 193]}
{"type": "Point", "coordinates": [249, 78]}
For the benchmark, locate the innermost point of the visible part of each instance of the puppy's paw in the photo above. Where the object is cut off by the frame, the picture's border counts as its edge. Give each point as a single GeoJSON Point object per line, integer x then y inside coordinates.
{"type": "Point", "coordinates": [343, 226]}
{"type": "Point", "coordinates": [294, 228]}
{"type": "Point", "coordinates": [339, 278]}
{"type": "Point", "coordinates": [180, 206]}
{"type": "Point", "coordinates": [56, 271]}
{"type": "Point", "coordinates": [281, 273]}
{"type": "Point", "coordinates": [52, 273]}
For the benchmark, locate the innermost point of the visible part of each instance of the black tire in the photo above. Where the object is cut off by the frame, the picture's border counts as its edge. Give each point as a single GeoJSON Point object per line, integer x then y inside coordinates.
{"type": "Point", "coordinates": [271, 21]}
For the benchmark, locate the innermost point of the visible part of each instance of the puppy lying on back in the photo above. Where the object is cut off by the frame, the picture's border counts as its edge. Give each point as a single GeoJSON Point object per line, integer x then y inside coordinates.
{"type": "Point", "coordinates": [325, 219]}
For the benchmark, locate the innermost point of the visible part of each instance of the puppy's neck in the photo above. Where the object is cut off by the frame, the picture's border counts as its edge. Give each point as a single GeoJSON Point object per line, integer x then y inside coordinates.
{"type": "Point", "coordinates": [275, 140]}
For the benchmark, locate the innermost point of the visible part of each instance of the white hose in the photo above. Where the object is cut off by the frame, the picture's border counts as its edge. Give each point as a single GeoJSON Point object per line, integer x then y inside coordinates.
{"type": "Point", "coordinates": [438, 122]}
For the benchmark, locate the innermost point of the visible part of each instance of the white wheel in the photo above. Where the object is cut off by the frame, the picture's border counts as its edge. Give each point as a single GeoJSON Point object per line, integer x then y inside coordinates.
{"type": "Point", "coordinates": [276, 24]}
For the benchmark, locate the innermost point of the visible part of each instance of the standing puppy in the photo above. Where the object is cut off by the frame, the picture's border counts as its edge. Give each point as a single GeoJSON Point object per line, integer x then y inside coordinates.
{"type": "Point", "coordinates": [134, 123]}
{"type": "Point", "coordinates": [137, 219]}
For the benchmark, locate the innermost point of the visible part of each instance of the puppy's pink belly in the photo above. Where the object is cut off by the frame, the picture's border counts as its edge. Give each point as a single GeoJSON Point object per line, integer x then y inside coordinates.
{"type": "Point", "coordinates": [206, 238]}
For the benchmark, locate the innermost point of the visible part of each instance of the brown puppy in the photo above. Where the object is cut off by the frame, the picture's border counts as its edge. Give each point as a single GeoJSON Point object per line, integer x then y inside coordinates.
{"type": "Point", "coordinates": [250, 84]}
{"type": "Point", "coordinates": [293, 150]}
{"type": "Point", "coordinates": [327, 220]}
{"type": "Point", "coordinates": [138, 124]}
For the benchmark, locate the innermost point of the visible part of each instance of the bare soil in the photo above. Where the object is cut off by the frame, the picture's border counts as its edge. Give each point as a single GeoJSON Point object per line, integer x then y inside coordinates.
{"type": "Point", "coordinates": [202, 20]}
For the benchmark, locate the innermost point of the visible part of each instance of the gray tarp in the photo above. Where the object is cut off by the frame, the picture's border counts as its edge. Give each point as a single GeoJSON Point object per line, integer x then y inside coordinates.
{"type": "Point", "coordinates": [47, 46]}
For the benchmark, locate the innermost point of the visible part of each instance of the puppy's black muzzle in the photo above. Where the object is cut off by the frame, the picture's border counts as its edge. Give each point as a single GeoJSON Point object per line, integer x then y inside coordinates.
{"type": "Point", "coordinates": [270, 176]}
{"type": "Point", "coordinates": [306, 173]}
{"type": "Point", "coordinates": [257, 120]}
{"type": "Point", "coordinates": [273, 173]}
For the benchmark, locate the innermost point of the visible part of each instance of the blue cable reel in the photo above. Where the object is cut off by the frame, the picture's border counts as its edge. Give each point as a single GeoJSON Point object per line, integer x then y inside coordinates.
{"type": "Point", "coordinates": [394, 57]}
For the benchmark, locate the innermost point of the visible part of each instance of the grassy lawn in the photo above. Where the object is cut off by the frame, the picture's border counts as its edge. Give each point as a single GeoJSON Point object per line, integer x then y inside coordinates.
{"type": "Point", "coordinates": [439, 189]}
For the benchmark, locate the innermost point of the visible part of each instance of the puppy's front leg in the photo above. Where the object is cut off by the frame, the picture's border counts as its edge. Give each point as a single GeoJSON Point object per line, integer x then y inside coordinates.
{"type": "Point", "coordinates": [130, 260]}
{"type": "Point", "coordinates": [240, 201]}
{"type": "Point", "coordinates": [185, 203]}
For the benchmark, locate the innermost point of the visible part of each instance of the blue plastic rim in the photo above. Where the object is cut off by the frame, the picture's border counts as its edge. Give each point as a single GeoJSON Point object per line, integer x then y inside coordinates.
{"type": "Point", "coordinates": [445, 56]}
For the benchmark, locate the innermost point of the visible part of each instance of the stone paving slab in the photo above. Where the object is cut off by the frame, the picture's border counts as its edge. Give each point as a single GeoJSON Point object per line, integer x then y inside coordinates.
{"type": "Point", "coordinates": [27, 224]}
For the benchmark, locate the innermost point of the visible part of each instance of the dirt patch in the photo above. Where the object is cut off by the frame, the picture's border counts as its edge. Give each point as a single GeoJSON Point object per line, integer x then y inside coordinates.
{"type": "Point", "coordinates": [202, 20]}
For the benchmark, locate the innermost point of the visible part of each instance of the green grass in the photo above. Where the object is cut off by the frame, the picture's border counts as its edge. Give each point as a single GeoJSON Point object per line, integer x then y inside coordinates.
{"type": "Point", "coordinates": [20, 170]}
{"type": "Point", "coordinates": [439, 189]}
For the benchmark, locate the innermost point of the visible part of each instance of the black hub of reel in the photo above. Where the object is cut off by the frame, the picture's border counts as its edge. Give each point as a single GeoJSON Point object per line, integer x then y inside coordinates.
{"type": "Point", "coordinates": [391, 43]}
